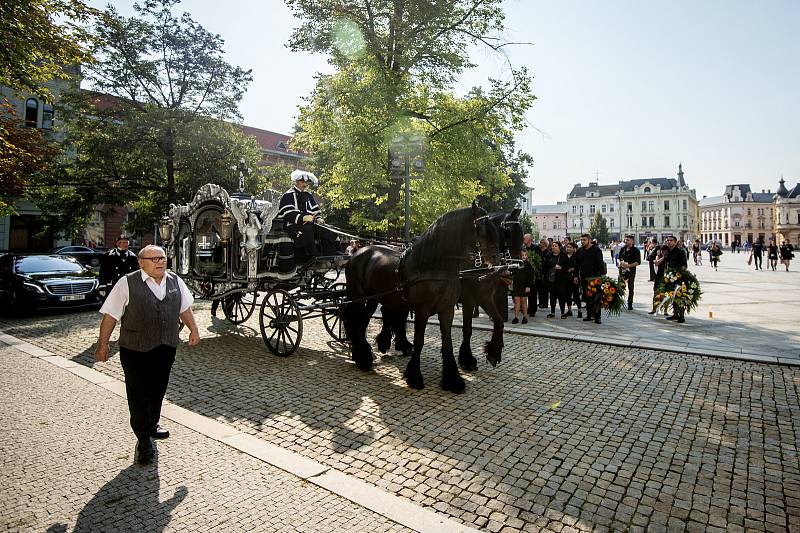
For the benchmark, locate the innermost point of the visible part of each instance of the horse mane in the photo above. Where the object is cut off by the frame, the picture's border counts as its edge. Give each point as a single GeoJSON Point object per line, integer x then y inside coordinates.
{"type": "Point", "coordinates": [445, 243]}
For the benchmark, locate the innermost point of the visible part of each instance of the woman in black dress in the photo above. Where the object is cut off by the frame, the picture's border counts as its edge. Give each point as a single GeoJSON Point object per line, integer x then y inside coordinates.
{"type": "Point", "coordinates": [573, 281]}
{"type": "Point", "coordinates": [787, 253]}
{"type": "Point", "coordinates": [714, 252]}
{"type": "Point", "coordinates": [772, 254]}
{"type": "Point", "coordinates": [556, 265]}
{"type": "Point", "coordinates": [522, 283]}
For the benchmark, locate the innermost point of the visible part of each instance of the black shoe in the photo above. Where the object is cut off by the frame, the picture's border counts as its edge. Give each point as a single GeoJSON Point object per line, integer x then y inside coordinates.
{"type": "Point", "coordinates": [680, 320]}
{"type": "Point", "coordinates": [544, 306]}
{"type": "Point", "coordinates": [630, 307]}
{"type": "Point", "coordinates": [651, 312]}
{"type": "Point", "coordinates": [145, 452]}
{"type": "Point", "coordinates": [587, 319]}
{"type": "Point", "coordinates": [671, 317]}
{"type": "Point", "coordinates": [551, 315]}
{"type": "Point", "coordinates": [580, 314]}
{"type": "Point", "coordinates": [524, 320]}
{"type": "Point", "coordinates": [565, 315]}
{"type": "Point", "coordinates": [160, 433]}
{"type": "Point", "coordinates": [515, 321]}
{"type": "Point", "coordinates": [598, 321]}
{"type": "Point", "coordinates": [568, 313]}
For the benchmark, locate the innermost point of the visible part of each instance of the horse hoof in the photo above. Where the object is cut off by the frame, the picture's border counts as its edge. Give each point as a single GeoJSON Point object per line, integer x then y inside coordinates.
{"type": "Point", "coordinates": [383, 341]}
{"type": "Point", "coordinates": [494, 353]}
{"type": "Point", "coordinates": [415, 382]}
{"type": "Point", "coordinates": [365, 365]}
{"type": "Point", "coordinates": [455, 385]}
{"type": "Point", "coordinates": [405, 348]}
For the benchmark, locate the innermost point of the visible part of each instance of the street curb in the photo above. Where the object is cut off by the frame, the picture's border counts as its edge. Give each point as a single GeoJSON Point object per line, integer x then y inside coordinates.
{"type": "Point", "coordinates": [395, 508]}
{"type": "Point", "coordinates": [718, 354]}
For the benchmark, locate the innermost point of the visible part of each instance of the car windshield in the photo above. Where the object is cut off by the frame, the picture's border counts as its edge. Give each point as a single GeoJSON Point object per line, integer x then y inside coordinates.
{"type": "Point", "coordinates": [46, 263]}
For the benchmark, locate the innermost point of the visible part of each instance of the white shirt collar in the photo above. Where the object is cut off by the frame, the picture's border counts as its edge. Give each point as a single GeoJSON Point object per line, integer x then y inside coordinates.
{"type": "Point", "coordinates": [145, 277]}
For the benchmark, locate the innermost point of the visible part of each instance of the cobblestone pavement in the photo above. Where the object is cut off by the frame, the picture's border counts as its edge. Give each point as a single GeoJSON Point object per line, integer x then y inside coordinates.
{"type": "Point", "coordinates": [67, 465]}
{"type": "Point", "coordinates": [561, 436]}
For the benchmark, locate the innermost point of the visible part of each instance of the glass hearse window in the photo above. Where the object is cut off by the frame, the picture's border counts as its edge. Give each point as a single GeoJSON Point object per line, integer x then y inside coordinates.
{"type": "Point", "coordinates": [209, 258]}
{"type": "Point", "coordinates": [183, 252]}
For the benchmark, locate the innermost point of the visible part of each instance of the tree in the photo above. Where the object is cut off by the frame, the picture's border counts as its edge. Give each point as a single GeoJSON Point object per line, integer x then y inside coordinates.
{"type": "Point", "coordinates": [395, 62]}
{"type": "Point", "coordinates": [41, 40]}
{"type": "Point", "coordinates": [23, 152]}
{"type": "Point", "coordinates": [599, 230]}
{"type": "Point", "coordinates": [156, 129]}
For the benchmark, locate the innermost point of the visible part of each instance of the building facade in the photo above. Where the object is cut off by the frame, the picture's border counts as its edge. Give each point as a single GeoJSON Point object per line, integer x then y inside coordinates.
{"type": "Point", "coordinates": [649, 207]}
{"type": "Point", "coordinates": [550, 220]}
{"type": "Point", "coordinates": [737, 216]}
{"type": "Point", "coordinates": [787, 213]}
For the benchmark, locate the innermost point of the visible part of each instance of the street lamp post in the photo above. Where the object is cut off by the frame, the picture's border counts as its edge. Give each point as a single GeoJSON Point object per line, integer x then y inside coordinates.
{"type": "Point", "coordinates": [407, 151]}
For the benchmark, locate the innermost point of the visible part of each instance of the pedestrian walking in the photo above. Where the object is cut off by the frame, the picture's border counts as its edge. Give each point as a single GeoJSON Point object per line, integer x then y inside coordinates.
{"type": "Point", "coordinates": [787, 253]}
{"type": "Point", "coordinates": [522, 283]}
{"type": "Point", "coordinates": [772, 254]}
{"type": "Point", "coordinates": [756, 254]}
{"type": "Point", "coordinates": [149, 303]}
{"type": "Point", "coordinates": [556, 275]}
{"type": "Point", "coordinates": [573, 280]}
{"type": "Point", "coordinates": [115, 264]}
{"type": "Point", "coordinates": [629, 259]}
{"type": "Point", "coordinates": [696, 254]}
{"type": "Point", "coordinates": [713, 254]}
{"type": "Point", "coordinates": [590, 264]}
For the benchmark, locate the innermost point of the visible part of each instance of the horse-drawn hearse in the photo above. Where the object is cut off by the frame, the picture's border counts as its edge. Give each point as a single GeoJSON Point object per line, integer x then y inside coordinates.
{"type": "Point", "coordinates": [233, 248]}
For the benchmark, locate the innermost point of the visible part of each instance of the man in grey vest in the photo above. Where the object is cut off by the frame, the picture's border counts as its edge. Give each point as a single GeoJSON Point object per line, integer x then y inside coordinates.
{"type": "Point", "coordinates": [148, 302]}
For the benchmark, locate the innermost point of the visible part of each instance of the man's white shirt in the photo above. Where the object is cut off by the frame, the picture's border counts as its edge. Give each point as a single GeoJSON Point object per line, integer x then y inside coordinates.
{"type": "Point", "coordinates": [119, 296]}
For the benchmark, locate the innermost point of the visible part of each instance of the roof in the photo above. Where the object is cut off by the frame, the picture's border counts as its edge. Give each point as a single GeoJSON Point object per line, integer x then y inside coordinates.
{"type": "Point", "coordinates": [710, 200]}
{"type": "Point", "coordinates": [764, 197]}
{"type": "Point", "coordinates": [548, 209]}
{"type": "Point", "coordinates": [795, 192]}
{"type": "Point", "coordinates": [744, 188]}
{"type": "Point", "coordinates": [269, 140]}
{"type": "Point", "coordinates": [579, 191]}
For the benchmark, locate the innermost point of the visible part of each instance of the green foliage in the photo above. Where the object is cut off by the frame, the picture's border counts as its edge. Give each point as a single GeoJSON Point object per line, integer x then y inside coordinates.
{"type": "Point", "coordinates": [162, 135]}
{"type": "Point", "coordinates": [536, 263]}
{"type": "Point", "coordinates": [394, 64]}
{"type": "Point", "coordinates": [42, 40]}
{"type": "Point", "coordinates": [599, 230]}
{"type": "Point", "coordinates": [527, 223]}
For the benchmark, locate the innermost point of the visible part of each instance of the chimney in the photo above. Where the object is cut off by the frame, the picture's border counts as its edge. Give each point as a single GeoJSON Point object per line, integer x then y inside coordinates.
{"type": "Point", "coordinates": [762, 191]}
{"type": "Point", "coordinates": [592, 184]}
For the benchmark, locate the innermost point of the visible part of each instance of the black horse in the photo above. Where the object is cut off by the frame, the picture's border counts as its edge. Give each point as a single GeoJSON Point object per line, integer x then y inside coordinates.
{"type": "Point", "coordinates": [490, 294]}
{"type": "Point", "coordinates": [425, 279]}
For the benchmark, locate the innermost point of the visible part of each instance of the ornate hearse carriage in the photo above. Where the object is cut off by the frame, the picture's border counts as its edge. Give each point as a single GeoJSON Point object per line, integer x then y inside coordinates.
{"type": "Point", "coordinates": [231, 247]}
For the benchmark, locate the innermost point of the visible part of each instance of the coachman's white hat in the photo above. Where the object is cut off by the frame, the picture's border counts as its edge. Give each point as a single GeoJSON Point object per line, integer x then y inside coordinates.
{"type": "Point", "coordinates": [305, 176]}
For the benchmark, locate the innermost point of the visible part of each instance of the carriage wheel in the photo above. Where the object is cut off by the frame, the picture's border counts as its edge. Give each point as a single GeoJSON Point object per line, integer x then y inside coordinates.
{"type": "Point", "coordinates": [332, 317]}
{"type": "Point", "coordinates": [239, 307]}
{"type": "Point", "coordinates": [281, 323]}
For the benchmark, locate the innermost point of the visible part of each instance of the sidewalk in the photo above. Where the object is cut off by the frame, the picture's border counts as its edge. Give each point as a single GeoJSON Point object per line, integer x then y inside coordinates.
{"type": "Point", "coordinates": [67, 465]}
{"type": "Point", "coordinates": [753, 317]}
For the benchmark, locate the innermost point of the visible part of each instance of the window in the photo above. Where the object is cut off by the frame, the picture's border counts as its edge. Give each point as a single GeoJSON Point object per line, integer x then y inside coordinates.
{"type": "Point", "coordinates": [591, 209]}
{"type": "Point", "coordinates": [47, 116]}
{"type": "Point", "coordinates": [666, 205]}
{"type": "Point", "coordinates": [652, 221]}
{"type": "Point", "coordinates": [684, 205]}
{"type": "Point", "coordinates": [611, 223]}
{"type": "Point", "coordinates": [644, 205]}
{"type": "Point", "coordinates": [666, 221]}
{"type": "Point", "coordinates": [603, 208]}
{"type": "Point", "coordinates": [630, 206]}
{"type": "Point", "coordinates": [749, 211]}
{"type": "Point", "coordinates": [574, 209]}
{"type": "Point", "coordinates": [31, 112]}
{"type": "Point", "coordinates": [574, 223]}
{"type": "Point", "coordinates": [651, 205]}
{"type": "Point", "coordinates": [644, 222]}
{"type": "Point", "coordinates": [611, 208]}
{"type": "Point", "coordinates": [647, 189]}
{"type": "Point", "coordinates": [581, 208]}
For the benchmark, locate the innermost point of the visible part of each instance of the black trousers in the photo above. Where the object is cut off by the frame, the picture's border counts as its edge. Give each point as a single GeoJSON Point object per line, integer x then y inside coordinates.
{"type": "Point", "coordinates": [557, 294]}
{"type": "Point", "coordinates": [532, 300]}
{"type": "Point", "coordinates": [758, 259]}
{"type": "Point", "coordinates": [542, 293]}
{"type": "Point", "coordinates": [652, 270]}
{"type": "Point", "coordinates": [573, 291]}
{"type": "Point", "coordinates": [592, 305]}
{"type": "Point", "coordinates": [146, 379]}
{"type": "Point", "coordinates": [305, 242]}
{"type": "Point", "coordinates": [630, 284]}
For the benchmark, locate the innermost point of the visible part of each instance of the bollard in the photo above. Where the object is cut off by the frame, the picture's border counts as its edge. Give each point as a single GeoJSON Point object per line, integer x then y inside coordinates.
{"type": "Point", "coordinates": [711, 313]}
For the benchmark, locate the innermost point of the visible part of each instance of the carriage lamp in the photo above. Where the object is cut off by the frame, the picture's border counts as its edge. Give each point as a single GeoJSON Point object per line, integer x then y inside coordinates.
{"type": "Point", "coordinates": [225, 226]}
{"type": "Point", "coordinates": [165, 228]}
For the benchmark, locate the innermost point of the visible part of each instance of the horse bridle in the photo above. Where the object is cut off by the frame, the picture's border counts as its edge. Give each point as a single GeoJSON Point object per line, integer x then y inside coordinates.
{"type": "Point", "coordinates": [476, 251]}
{"type": "Point", "coordinates": [506, 256]}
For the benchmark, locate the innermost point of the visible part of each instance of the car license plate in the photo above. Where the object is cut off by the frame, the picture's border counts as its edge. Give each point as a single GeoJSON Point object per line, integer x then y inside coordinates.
{"type": "Point", "coordinates": [73, 297]}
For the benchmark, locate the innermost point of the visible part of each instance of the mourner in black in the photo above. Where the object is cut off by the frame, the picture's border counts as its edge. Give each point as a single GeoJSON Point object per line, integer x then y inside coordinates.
{"type": "Point", "coordinates": [590, 264]}
{"type": "Point", "coordinates": [675, 260]}
{"type": "Point", "coordinates": [787, 253]}
{"type": "Point", "coordinates": [115, 264]}
{"type": "Point", "coordinates": [541, 284]}
{"type": "Point", "coordinates": [629, 258]}
{"type": "Point", "coordinates": [533, 304]}
{"type": "Point", "coordinates": [573, 281]}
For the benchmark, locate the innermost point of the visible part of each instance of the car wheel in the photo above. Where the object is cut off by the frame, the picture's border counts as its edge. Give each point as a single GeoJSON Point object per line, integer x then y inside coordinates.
{"type": "Point", "coordinates": [94, 261]}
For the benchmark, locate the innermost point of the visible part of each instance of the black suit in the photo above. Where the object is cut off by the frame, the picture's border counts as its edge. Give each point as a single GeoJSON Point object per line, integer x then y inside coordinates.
{"type": "Point", "coordinates": [590, 264]}
{"type": "Point", "coordinates": [115, 264]}
{"type": "Point", "coordinates": [630, 255]}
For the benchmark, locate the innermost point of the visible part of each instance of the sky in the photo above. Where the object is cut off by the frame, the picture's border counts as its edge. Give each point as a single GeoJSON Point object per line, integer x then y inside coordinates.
{"type": "Point", "coordinates": [625, 89]}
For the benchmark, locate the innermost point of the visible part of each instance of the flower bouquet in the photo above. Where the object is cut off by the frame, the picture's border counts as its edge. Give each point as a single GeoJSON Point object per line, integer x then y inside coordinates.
{"type": "Point", "coordinates": [608, 292]}
{"type": "Point", "coordinates": [679, 290]}
{"type": "Point", "coordinates": [536, 263]}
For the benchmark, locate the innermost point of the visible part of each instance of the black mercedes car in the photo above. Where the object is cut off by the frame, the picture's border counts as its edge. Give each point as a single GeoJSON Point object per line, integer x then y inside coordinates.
{"type": "Point", "coordinates": [31, 282]}
{"type": "Point", "coordinates": [88, 256]}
